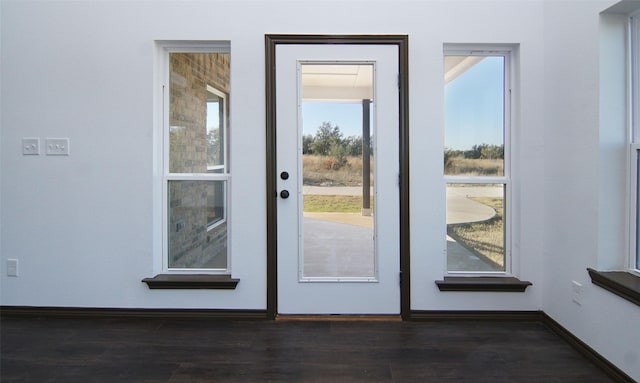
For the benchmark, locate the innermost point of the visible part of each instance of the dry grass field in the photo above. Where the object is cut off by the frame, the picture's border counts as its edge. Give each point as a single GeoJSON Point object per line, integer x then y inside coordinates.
{"type": "Point", "coordinates": [321, 171]}
{"type": "Point", "coordinates": [332, 203]}
{"type": "Point", "coordinates": [460, 166]}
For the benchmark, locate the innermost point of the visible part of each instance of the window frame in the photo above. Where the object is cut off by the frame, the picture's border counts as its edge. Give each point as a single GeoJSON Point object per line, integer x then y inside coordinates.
{"type": "Point", "coordinates": [634, 141]}
{"type": "Point", "coordinates": [166, 48]}
{"type": "Point", "coordinates": [634, 205]}
{"type": "Point", "coordinates": [212, 225]}
{"type": "Point", "coordinates": [224, 128]}
{"type": "Point", "coordinates": [508, 53]}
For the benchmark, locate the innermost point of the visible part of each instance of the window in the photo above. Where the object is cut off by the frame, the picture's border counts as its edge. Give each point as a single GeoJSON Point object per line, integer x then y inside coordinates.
{"type": "Point", "coordinates": [635, 142]}
{"type": "Point", "coordinates": [620, 129]}
{"type": "Point", "coordinates": [196, 173]}
{"type": "Point", "coordinates": [476, 158]}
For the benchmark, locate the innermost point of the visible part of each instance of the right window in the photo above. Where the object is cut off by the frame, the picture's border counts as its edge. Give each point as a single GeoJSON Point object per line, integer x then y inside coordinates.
{"type": "Point", "coordinates": [476, 158]}
{"type": "Point", "coordinates": [635, 142]}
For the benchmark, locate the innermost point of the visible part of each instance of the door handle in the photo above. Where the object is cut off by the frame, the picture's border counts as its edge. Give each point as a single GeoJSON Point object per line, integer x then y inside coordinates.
{"type": "Point", "coordinates": [284, 194]}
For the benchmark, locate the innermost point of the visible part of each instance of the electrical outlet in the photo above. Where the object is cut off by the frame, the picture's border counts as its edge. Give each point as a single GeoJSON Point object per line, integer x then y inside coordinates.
{"type": "Point", "coordinates": [12, 267]}
{"type": "Point", "coordinates": [30, 146]}
{"type": "Point", "coordinates": [577, 292]}
{"type": "Point", "coordinates": [57, 146]}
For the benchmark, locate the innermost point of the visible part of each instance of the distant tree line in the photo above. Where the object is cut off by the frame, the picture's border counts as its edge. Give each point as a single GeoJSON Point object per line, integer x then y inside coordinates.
{"type": "Point", "coordinates": [329, 141]}
{"type": "Point", "coordinates": [453, 165]}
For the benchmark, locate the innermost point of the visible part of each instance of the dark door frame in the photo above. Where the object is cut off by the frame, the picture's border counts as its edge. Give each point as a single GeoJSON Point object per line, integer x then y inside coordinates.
{"type": "Point", "coordinates": [271, 41]}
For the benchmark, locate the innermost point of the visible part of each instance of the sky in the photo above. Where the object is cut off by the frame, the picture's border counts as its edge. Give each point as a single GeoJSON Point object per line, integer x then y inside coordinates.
{"type": "Point", "coordinates": [473, 109]}
{"type": "Point", "coordinates": [347, 115]}
{"type": "Point", "coordinates": [474, 106]}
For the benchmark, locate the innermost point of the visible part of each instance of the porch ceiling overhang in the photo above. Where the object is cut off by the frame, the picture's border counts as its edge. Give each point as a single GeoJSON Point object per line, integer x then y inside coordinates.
{"type": "Point", "coordinates": [354, 83]}
{"type": "Point", "coordinates": [337, 82]}
{"type": "Point", "coordinates": [454, 66]}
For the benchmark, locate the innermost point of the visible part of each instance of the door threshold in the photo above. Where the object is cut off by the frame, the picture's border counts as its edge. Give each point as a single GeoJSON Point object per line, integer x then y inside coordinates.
{"type": "Point", "coordinates": [339, 317]}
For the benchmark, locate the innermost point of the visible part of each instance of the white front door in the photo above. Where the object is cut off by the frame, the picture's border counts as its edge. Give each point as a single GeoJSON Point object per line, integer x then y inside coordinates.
{"type": "Point", "coordinates": [338, 248]}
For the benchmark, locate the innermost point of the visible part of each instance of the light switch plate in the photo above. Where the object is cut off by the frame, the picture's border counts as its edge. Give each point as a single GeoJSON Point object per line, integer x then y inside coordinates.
{"type": "Point", "coordinates": [31, 146]}
{"type": "Point", "coordinates": [57, 146]}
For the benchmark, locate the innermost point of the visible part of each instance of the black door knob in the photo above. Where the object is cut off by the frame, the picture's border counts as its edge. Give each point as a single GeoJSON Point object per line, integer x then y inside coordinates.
{"type": "Point", "coordinates": [284, 194]}
{"type": "Point", "coordinates": [284, 175]}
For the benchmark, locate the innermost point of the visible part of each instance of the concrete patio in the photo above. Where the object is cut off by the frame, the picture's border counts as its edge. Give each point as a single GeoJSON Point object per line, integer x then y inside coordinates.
{"type": "Point", "coordinates": [341, 244]}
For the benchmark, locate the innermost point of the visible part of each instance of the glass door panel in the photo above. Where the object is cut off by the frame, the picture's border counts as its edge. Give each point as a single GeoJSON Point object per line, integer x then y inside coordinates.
{"type": "Point", "coordinates": [337, 168]}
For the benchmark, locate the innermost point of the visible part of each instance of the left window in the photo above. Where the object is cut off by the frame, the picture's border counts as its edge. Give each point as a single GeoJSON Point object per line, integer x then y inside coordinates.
{"type": "Point", "coordinates": [196, 172]}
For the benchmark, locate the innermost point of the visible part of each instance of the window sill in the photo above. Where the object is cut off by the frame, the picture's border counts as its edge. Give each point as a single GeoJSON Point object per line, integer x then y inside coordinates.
{"type": "Point", "coordinates": [493, 284]}
{"type": "Point", "coordinates": [191, 281]}
{"type": "Point", "coordinates": [621, 283]}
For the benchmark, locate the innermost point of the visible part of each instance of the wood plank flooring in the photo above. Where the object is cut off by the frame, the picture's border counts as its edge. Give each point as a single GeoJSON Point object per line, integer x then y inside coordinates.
{"type": "Point", "coordinates": [156, 350]}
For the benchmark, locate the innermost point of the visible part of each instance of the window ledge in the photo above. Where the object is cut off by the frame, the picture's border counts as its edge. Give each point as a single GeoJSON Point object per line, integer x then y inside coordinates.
{"type": "Point", "coordinates": [191, 281]}
{"type": "Point", "coordinates": [621, 283]}
{"type": "Point", "coordinates": [494, 284]}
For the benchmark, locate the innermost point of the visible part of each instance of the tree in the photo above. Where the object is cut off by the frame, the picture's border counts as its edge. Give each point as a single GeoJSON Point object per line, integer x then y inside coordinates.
{"type": "Point", "coordinates": [326, 136]}
{"type": "Point", "coordinates": [492, 151]}
{"type": "Point", "coordinates": [338, 153]}
{"type": "Point", "coordinates": [485, 151]}
{"type": "Point", "coordinates": [307, 141]}
{"type": "Point", "coordinates": [353, 145]}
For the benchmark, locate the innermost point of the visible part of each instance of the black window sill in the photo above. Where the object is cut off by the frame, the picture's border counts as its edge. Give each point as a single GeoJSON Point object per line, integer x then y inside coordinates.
{"type": "Point", "coordinates": [191, 281]}
{"type": "Point", "coordinates": [621, 283]}
{"type": "Point", "coordinates": [493, 284]}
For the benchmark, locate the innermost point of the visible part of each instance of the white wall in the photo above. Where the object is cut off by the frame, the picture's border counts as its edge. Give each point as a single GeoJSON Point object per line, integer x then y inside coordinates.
{"type": "Point", "coordinates": [84, 227]}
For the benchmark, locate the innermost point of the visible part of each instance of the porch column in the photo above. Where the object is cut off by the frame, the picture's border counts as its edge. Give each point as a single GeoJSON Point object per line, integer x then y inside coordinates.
{"type": "Point", "coordinates": [366, 158]}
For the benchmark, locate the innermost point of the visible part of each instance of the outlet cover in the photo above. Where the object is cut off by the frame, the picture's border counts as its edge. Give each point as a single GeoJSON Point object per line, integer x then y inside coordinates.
{"type": "Point", "coordinates": [12, 267]}
{"type": "Point", "coordinates": [30, 146]}
{"type": "Point", "coordinates": [577, 292]}
{"type": "Point", "coordinates": [57, 146]}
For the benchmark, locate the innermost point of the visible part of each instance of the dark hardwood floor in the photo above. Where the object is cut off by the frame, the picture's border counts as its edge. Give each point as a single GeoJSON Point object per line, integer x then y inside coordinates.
{"type": "Point", "coordinates": [156, 350]}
